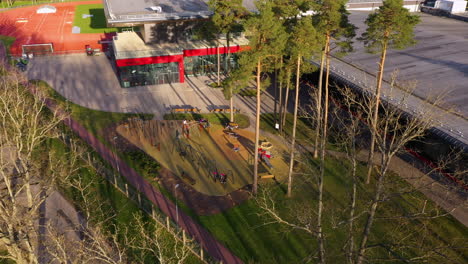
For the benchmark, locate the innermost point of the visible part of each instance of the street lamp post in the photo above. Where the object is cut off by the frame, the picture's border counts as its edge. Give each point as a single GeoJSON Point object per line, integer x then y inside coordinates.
{"type": "Point", "coordinates": [176, 206]}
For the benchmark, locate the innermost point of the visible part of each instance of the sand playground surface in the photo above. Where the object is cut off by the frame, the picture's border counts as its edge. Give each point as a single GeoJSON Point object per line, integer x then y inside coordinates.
{"type": "Point", "coordinates": [205, 158]}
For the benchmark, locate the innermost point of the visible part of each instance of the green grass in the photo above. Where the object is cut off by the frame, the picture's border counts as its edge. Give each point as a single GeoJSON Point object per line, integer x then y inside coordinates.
{"type": "Point", "coordinates": [303, 131]}
{"type": "Point", "coordinates": [96, 121]}
{"type": "Point", "coordinates": [241, 228]}
{"type": "Point", "coordinates": [7, 42]}
{"type": "Point", "coordinates": [248, 92]}
{"type": "Point", "coordinates": [214, 118]}
{"type": "Point", "coordinates": [242, 231]}
{"type": "Point", "coordinates": [94, 24]}
{"type": "Point", "coordinates": [107, 199]}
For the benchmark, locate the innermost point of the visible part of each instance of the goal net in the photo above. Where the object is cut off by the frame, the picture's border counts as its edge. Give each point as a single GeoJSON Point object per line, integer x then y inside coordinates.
{"type": "Point", "coordinates": [38, 49]}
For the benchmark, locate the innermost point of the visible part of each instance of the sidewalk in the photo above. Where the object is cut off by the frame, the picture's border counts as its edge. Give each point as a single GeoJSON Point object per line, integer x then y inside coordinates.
{"type": "Point", "coordinates": [92, 83]}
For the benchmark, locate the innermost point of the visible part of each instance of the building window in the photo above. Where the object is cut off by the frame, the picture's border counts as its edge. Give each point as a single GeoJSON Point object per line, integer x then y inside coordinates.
{"type": "Point", "coordinates": [149, 74]}
{"type": "Point", "coordinates": [207, 65]}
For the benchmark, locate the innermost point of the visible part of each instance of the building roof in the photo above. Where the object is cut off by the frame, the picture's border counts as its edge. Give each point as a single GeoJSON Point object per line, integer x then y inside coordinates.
{"type": "Point", "coordinates": [147, 11]}
{"type": "Point", "coordinates": [129, 45]}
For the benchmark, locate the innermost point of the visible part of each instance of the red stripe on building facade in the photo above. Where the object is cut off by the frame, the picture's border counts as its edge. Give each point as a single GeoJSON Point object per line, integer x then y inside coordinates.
{"type": "Point", "coordinates": [178, 58]}
{"type": "Point", "coordinates": [149, 60]}
{"type": "Point", "coordinates": [211, 51]}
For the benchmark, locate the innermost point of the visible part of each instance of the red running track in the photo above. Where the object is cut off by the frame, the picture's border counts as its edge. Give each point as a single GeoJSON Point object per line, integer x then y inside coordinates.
{"type": "Point", "coordinates": [28, 27]}
{"type": "Point", "coordinates": [214, 248]}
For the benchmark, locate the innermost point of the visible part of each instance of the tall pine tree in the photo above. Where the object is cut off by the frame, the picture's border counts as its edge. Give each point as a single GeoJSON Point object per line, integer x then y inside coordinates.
{"type": "Point", "coordinates": [392, 26]}
{"type": "Point", "coordinates": [227, 18]}
{"type": "Point", "coordinates": [332, 20]}
{"type": "Point", "coordinates": [303, 42]}
{"type": "Point", "coordinates": [267, 39]}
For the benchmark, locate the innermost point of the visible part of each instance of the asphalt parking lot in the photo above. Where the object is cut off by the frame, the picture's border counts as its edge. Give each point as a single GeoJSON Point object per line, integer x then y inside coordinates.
{"type": "Point", "coordinates": [438, 62]}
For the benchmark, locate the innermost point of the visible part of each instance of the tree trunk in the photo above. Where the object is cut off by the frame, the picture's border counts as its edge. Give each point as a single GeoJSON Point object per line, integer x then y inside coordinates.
{"type": "Point", "coordinates": [350, 252]}
{"type": "Point", "coordinates": [323, 144]}
{"type": "Point", "coordinates": [319, 105]}
{"type": "Point", "coordinates": [257, 130]}
{"type": "Point", "coordinates": [275, 88]}
{"type": "Point", "coordinates": [281, 98]}
{"type": "Point", "coordinates": [231, 101]}
{"type": "Point", "coordinates": [375, 116]}
{"type": "Point", "coordinates": [228, 52]}
{"type": "Point", "coordinates": [286, 99]}
{"type": "Point", "coordinates": [293, 140]}
{"type": "Point", "coordinates": [231, 106]}
{"type": "Point", "coordinates": [372, 211]}
{"type": "Point", "coordinates": [219, 65]}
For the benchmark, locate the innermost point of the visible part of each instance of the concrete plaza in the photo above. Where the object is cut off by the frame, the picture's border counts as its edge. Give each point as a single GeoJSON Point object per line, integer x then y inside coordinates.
{"type": "Point", "coordinates": [90, 81]}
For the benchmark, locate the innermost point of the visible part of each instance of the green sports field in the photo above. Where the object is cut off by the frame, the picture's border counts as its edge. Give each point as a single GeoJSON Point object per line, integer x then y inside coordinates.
{"type": "Point", "coordinates": [94, 24]}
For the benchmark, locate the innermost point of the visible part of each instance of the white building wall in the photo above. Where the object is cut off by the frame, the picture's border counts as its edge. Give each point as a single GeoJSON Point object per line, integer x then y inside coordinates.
{"type": "Point", "coordinates": [459, 6]}
{"type": "Point", "coordinates": [451, 6]}
{"type": "Point", "coordinates": [411, 8]}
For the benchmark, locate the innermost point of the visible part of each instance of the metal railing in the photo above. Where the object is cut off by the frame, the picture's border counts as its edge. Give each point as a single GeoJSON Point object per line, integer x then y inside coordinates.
{"type": "Point", "coordinates": [114, 18]}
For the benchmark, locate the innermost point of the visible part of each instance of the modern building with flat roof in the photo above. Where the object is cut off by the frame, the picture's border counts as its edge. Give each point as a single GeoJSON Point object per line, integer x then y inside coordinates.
{"type": "Point", "coordinates": [160, 46]}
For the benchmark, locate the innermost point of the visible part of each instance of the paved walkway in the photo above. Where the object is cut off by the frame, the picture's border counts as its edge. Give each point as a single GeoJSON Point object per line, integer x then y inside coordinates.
{"type": "Point", "coordinates": [214, 248]}
{"type": "Point", "coordinates": [91, 82]}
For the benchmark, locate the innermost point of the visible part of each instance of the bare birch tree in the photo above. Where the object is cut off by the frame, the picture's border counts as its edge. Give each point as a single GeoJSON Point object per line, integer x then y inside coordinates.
{"type": "Point", "coordinates": [27, 174]}
{"type": "Point", "coordinates": [393, 131]}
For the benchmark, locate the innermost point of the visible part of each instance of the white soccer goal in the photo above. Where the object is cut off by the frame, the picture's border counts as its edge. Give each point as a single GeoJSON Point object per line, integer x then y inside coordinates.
{"type": "Point", "coordinates": [38, 49]}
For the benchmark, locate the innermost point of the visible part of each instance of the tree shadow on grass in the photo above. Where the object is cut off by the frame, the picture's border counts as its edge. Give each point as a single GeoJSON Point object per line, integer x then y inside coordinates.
{"type": "Point", "coordinates": [98, 19]}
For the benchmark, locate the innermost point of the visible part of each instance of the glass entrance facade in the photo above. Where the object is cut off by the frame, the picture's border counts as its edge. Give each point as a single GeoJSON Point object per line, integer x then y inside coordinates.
{"type": "Point", "coordinates": [206, 65]}
{"type": "Point", "coordinates": [149, 74]}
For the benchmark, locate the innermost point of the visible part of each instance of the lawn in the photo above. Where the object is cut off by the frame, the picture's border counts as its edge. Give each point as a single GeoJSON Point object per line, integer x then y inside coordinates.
{"type": "Point", "coordinates": [107, 199]}
{"type": "Point", "coordinates": [7, 42]}
{"type": "Point", "coordinates": [243, 231]}
{"type": "Point", "coordinates": [303, 131]}
{"type": "Point", "coordinates": [96, 23]}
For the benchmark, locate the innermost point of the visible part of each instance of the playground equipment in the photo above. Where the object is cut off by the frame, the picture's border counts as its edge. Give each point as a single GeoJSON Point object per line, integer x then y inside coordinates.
{"type": "Point", "coordinates": [265, 155]}
{"type": "Point", "coordinates": [231, 126]}
{"type": "Point", "coordinates": [266, 175]}
{"type": "Point", "coordinates": [174, 136]}
{"type": "Point", "coordinates": [266, 145]}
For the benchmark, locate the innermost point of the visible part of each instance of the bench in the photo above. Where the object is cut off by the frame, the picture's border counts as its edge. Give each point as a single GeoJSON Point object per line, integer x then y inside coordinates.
{"type": "Point", "coordinates": [224, 110]}
{"type": "Point", "coordinates": [235, 110]}
{"type": "Point", "coordinates": [266, 176]}
{"type": "Point", "coordinates": [185, 110]}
